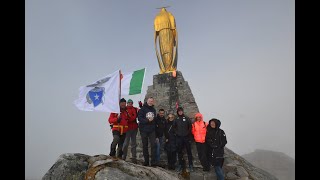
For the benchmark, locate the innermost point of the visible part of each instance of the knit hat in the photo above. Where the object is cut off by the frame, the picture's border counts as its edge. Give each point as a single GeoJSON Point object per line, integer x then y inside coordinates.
{"type": "Point", "coordinates": [179, 109]}
{"type": "Point", "coordinates": [123, 100]}
{"type": "Point", "coordinates": [130, 101]}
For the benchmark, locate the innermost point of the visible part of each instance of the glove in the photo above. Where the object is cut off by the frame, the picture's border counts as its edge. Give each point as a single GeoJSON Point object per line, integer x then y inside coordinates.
{"type": "Point", "coordinates": [140, 104]}
{"type": "Point", "coordinates": [118, 120]}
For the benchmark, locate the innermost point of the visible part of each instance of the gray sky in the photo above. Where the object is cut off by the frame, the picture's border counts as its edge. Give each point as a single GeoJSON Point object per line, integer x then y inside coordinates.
{"type": "Point", "coordinates": [238, 57]}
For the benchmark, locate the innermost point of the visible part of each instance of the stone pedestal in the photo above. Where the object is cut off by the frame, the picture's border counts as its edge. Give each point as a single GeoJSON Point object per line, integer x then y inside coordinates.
{"type": "Point", "coordinates": [168, 91]}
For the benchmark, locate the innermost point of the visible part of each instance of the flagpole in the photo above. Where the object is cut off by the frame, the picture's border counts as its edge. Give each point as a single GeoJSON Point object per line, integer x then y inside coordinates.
{"type": "Point", "coordinates": [144, 75]}
{"type": "Point", "coordinates": [120, 85]}
{"type": "Point", "coordinates": [119, 99]}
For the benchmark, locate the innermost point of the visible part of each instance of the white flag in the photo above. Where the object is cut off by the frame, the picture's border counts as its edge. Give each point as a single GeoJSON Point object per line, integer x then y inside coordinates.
{"type": "Point", "coordinates": [102, 95]}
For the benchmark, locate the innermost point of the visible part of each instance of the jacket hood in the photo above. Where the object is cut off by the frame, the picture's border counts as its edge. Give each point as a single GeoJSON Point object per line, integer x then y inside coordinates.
{"type": "Point", "coordinates": [198, 115]}
{"type": "Point", "coordinates": [217, 121]}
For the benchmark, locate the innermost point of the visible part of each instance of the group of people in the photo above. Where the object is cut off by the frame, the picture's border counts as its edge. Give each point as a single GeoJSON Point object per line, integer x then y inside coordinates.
{"type": "Point", "coordinates": [176, 131]}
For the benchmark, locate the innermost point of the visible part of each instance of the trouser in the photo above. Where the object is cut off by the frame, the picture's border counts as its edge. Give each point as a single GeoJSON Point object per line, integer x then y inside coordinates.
{"type": "Point", "coordinates": [219, 172]}
{"type": "Point", "coordinates": [217, 162]}
{"type": "Point", "coordinates": [130, 137]}
{"type": "Point", "coordinates": [158, 149]}
{"type": "Point", "coordinates": [117, 140]}
{"type": "Point", "coordinates": [172, 158]}
{"type": "Point", "coordinates": [202, 154]}
{"type": "Point", "coordinates": [184, 141]}
{"type": "Point", "coordinates": [151, 136]}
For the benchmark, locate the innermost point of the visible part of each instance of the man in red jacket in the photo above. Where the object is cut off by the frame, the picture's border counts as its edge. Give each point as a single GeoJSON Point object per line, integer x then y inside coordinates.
{"type": "Point", "coordinates": [119, 124]}
{"type": "Point", "coordinates": [131, 133]}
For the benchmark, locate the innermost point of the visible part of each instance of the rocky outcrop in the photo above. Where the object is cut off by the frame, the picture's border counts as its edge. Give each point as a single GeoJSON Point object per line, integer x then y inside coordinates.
{"type": "Point", "coordinates": [236, 167]}
{"type": "Point", "coordinates": [100, 167]}
{"type": "Point", "coordinates": [276, 163]}
{"type": "Point", "coordinates": [80, 166]}
{"type": "Point", "coordinates": [68, 166]}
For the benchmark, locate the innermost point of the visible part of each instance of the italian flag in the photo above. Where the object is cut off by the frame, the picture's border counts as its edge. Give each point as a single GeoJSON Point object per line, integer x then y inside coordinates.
{"type": "Point", "coordinates": [131, 83]}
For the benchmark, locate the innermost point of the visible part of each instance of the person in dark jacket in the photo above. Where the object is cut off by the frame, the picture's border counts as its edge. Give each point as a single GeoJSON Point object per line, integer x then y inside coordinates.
{"type": "Point", "coordinates": [216, 140]}
{"type": "Point", "coordinates": [182, 126]}
{"type": "Point", "coordinates": [160, 121]}
{"type": "Point", "coordinates": [170, 141]}
{"type": "Point", "coordinates": [147, 126]}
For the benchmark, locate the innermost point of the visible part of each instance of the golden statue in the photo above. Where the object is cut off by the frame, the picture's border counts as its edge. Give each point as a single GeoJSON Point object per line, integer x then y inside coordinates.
{"type": "Point", "coordinates": [165, 28]}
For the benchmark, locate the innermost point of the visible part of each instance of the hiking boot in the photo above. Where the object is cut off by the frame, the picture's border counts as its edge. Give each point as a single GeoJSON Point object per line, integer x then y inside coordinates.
{"type": "Point", "coordinates": [112, 152]}
{"type": "Point", "coordinates": [114, 158]}
{"type": "Point", "coordinates": [171, 167]}
{"type": "Point", "coordinates": [123, 158]}
{"type": "Point", "coordinates": [120, 154]}
{"type": "Point", "coordinates": [206, 168]}
{"type": "Point", "coordinates": [191, 168]}
{"type": "Point", "coordinates": [179, 168]}
{"type": "Point", "coordinates": [154, 163]}
{"type": "Point", "coordinates": [146, 163]}
{"type": "Point", "coordinates": [134, 160]}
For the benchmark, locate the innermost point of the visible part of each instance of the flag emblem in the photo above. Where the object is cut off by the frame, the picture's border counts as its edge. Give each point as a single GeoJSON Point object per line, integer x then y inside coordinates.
{"type": "Point", "coordinates": [95, 96]}
{"type": "Point", "coordinates": [102, 95]}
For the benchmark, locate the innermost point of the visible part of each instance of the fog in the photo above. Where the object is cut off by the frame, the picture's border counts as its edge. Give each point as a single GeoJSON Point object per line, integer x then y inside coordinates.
{"type": "Point", "coordinates": [237, 56]}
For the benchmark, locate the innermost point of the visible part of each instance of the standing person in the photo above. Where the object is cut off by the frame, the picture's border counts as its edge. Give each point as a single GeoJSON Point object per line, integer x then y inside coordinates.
{"type": "Point", "coordinates": [131, 133]}
{"type": "Point", "coordinates": [182, 126]}
{"type": "Point", "coordinates": [160, 122]}
{"type": "Point", "coordinates": [119, 124]}
{"type": "Point", "coordinates": [216, 140]}
{"type": "Point", "coordinates": [147, 128]}
{"type": "Point", "coordinates": [170, 139]}
{"type": "Point", "coordinates": [199, 130]}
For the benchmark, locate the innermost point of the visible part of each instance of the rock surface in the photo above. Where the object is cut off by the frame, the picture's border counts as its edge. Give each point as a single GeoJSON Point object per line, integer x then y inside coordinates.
{"type": "Point", "coordinates": [100, 167]}
{"type": "Point", "coordinates": [68, 166]}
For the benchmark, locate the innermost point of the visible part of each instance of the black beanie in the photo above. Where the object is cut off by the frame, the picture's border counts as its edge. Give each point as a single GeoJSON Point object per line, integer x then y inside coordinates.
{"type": "Point", "coordinates": [123, 100]}
{"type": "Point", "coordinates": [179, 109]}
